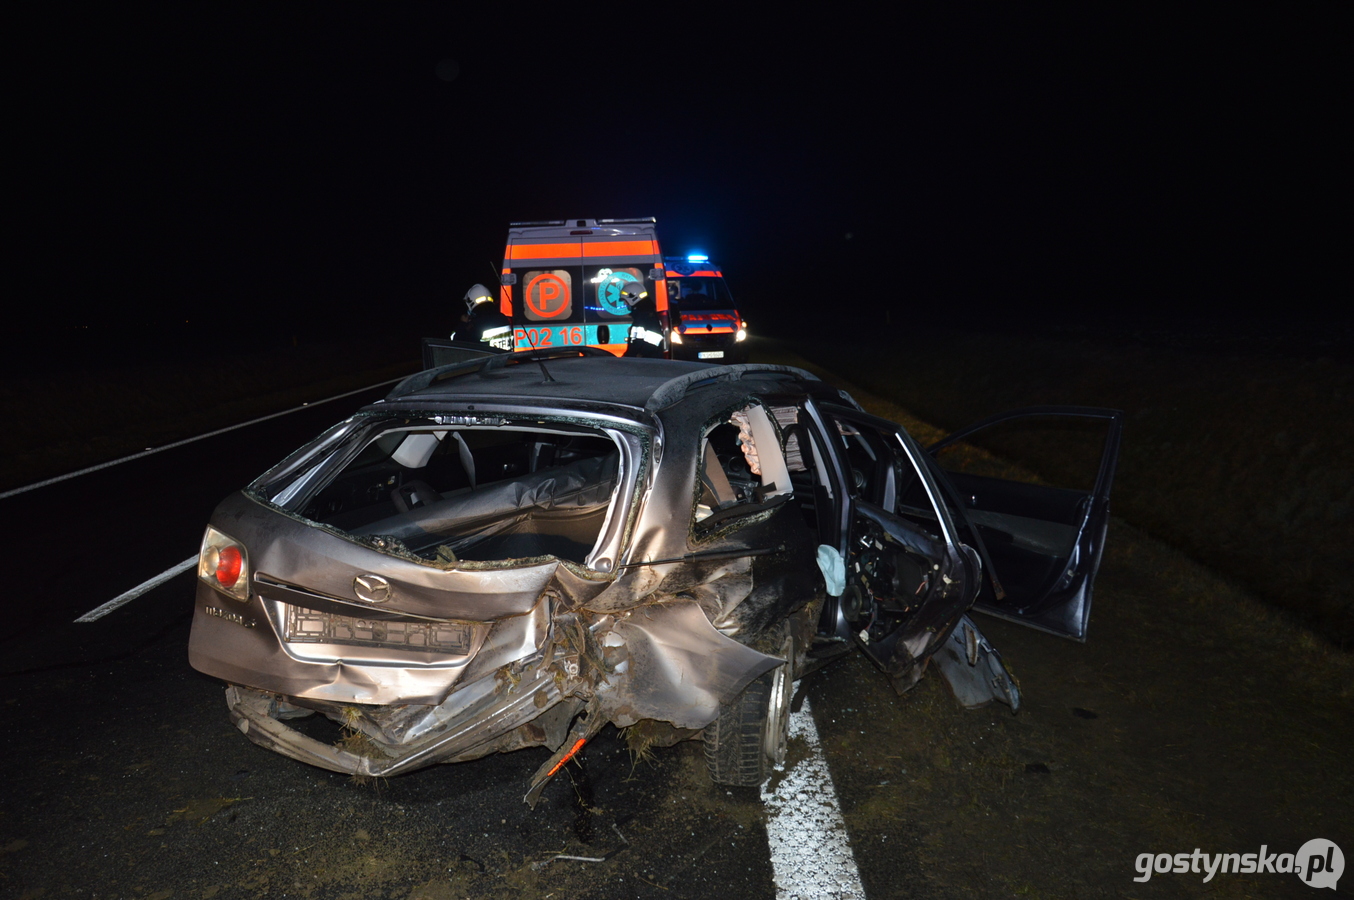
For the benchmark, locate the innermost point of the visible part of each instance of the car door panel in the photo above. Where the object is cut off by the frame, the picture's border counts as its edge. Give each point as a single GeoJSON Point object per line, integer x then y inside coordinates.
{"type": "Point", "coordinates": [1043, 543]}
{"type": "Point", "coordinates": [908, 580]}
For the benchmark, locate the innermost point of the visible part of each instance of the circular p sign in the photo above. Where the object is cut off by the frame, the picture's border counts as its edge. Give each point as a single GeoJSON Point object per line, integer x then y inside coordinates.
{"type": "Point", "coordinates": [547, 297]}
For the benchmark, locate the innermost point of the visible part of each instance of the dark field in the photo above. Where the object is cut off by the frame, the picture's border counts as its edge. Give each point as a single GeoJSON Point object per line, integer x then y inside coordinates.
{"type": "Point", "coordinates": [1236, 451]}
{"type": "Point", "coordinates": [82, 403]}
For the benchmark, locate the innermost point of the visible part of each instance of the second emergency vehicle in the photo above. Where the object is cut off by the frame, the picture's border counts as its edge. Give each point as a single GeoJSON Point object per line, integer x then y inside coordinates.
{"type": "Point", "coordinates": [705, 324]}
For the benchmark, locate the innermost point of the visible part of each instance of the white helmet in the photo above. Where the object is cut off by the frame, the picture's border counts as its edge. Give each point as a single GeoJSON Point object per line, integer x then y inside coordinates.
{"type": "Point", "coordinates": [476, 295]}
{"type": "Point", "coordinates": [632, 292]}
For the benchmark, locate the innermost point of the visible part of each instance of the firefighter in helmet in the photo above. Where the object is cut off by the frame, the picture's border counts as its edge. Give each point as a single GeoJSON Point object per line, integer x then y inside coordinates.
{"type": "Point", "coordinates": [646, 329]}
{"type": "Point", "coordinates": [484, 323]}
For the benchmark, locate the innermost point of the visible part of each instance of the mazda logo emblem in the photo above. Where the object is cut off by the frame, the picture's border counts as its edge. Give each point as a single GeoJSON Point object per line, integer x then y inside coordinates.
{"type": "Point", "coordinates": [372, 589]}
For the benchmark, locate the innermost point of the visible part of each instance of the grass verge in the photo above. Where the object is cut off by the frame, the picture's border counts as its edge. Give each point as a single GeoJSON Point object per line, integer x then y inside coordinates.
{"type": "Point", "coordinates": [66, 419]}
{"type": "Point", "coordinates": [1240, 458]}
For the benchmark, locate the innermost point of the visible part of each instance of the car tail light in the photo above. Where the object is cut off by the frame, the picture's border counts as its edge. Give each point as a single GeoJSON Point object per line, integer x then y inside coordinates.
{"type": "Point", "coordinates": [224, 564]}
{"type": "Point", "coordinates": [229, 561]}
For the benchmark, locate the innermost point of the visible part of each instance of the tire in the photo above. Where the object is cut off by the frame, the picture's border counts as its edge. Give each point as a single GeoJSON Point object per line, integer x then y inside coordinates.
{"type": "Point", "coordinates": [746, 743]}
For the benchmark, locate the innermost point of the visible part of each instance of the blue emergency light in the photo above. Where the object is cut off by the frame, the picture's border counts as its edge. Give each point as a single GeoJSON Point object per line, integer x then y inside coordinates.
{"type": "Point", "coordinates": [697, 257]}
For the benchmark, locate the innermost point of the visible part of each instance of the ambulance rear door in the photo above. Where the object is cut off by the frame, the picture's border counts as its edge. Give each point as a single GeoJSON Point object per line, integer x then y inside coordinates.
{"type": "Point", "coordinates": [562, 282]}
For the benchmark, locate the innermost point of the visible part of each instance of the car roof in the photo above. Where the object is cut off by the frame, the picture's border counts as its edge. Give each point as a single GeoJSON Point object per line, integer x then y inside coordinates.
{"type": "Point", "coordinates": [649, 384]}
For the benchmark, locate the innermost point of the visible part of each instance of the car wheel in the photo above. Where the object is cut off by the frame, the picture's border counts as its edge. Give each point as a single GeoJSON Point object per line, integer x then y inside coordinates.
{"type": "Point", "coordinates": [748, 739]}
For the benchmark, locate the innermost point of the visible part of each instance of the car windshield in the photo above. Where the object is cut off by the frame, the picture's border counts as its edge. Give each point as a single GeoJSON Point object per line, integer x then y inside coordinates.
{"type": "Point", "coordinates": [487, 492]}
{"type": "Point", "coordinates": [698, 293]}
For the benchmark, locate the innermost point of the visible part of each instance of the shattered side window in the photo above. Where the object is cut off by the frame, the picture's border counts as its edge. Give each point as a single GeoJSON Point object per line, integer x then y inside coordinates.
{"type": "Point", "coordinates": [742, 467]}
{"type": "Point", "coordinates": [787, 417]}
{"type": "Point", "coordinates": [883, 474]}
{"type": "Point", "coordinates": [874, 467]}
{"type": "Point", "coordinates": [288, 479]}
{"type": "Point", "coordinates": [472, 493]}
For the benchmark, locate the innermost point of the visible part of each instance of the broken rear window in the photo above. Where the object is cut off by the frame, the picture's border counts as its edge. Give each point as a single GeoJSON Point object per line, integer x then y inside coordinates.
{"type": "Point", "coordinates": [466, 493]}
{"type": "Point", "coordinates": [742, 467]}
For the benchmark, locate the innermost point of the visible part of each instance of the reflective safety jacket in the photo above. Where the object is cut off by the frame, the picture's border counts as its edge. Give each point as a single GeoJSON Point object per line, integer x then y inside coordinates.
{"type": "Point", "coordinates": [646, 332]}
{"type": "Point", "coordinates": [488, 325]}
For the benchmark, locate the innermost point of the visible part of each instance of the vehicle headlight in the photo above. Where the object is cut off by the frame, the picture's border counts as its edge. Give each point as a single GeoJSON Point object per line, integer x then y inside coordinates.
{"type": "Point", "coordinates": [742, 334]}
{"type": "Point", "coordinates": [224, 564]}
{"type": "Point", "coordinates": [675, 336]}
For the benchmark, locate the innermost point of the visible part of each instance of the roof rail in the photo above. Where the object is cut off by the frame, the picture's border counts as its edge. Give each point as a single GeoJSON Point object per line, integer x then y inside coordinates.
{"type": "Point", "coordinates": [671, 391]}
{"type": "Point", "coordinates": [544, 354]}
{"type": "Point", "coordinates": [487, 366]}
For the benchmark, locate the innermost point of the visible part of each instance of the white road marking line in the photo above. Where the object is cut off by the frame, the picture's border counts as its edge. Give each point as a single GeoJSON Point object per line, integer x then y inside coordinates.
{"type": "Point", "coordinates": [137, 591]}
{"type": "Point", "coordinates": [810, 852]}
{"type": "Point", "coordinates": [190, 440]}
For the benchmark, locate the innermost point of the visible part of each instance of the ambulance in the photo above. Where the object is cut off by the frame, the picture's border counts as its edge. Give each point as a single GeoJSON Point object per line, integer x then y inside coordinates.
{"type": "Point", "coordinates": [562, 281]}
{"type": "Point", "coordinates": [705, 324]}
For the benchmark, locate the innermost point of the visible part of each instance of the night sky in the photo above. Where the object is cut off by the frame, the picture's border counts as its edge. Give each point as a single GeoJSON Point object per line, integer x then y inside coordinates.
{"type": "Point", "coordinates": [255, 171]}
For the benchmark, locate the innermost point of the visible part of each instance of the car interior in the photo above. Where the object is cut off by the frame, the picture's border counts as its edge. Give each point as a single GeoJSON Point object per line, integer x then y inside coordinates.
{"type": "Point", "coordinates": [742, 468]}
{"type": "Point", "coordinates": [476, 493]}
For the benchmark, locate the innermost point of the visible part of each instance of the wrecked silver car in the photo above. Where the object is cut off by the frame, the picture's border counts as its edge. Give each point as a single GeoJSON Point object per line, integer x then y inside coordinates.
{"type": "Point", "coordinates": [515, 551]}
